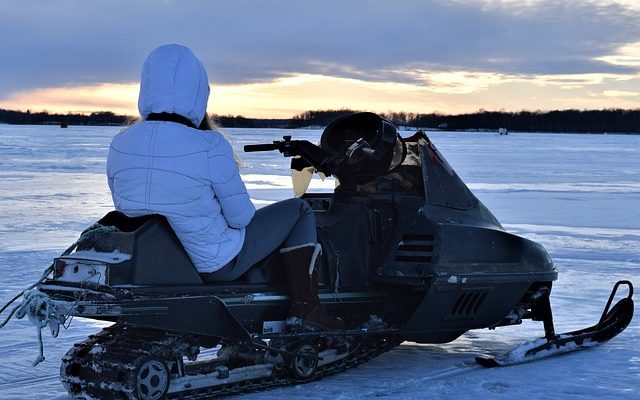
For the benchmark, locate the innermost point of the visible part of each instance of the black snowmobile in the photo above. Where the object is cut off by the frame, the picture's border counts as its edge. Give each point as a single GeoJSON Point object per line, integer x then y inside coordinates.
{"type": "Point", "coordinates": [409, 253]}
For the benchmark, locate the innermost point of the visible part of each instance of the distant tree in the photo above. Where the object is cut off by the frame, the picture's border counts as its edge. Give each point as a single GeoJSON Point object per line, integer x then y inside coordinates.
{"type": "Point", "coordinates": [609, 120]}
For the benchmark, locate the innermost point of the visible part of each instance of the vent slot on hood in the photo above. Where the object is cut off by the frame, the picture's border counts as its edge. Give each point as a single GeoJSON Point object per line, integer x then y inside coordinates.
{"type": "Point", "coordinates": [415, 248]}
{"type": "Point", "coordinates": [468, 303]}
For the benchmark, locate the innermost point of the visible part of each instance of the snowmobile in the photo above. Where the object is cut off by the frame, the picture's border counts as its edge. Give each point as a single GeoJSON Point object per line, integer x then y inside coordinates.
{"type": "Point", "coordinates": [409, 254]}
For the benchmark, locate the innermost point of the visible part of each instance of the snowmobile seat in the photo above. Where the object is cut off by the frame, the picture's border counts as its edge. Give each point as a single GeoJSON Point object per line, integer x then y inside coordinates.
{"type": "Point", "coordinates": [157, 255]}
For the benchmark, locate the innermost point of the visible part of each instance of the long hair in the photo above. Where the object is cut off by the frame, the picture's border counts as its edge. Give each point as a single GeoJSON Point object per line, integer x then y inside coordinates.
{"type": "Point", "coordinates": [208, 124]}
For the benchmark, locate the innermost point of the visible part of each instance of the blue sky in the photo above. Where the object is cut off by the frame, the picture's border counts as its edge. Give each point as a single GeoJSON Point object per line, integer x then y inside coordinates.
{"type": "Point", "coordinates": [276, 58]}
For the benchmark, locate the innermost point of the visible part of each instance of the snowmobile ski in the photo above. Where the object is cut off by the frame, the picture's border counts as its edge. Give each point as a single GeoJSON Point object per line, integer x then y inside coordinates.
{"type": "Point", "coordinates": [612, 322]}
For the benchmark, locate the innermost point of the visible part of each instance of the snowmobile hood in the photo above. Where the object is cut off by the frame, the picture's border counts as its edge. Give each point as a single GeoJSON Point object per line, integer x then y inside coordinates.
{"type": "Point", "coordinates": [173, 81]}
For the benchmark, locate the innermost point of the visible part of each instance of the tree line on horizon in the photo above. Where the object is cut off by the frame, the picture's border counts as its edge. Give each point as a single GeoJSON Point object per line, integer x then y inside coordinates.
{"type": "Point", "coordinates": [578, 121]}
{"type": "Point", "coordinates": [103, 118]}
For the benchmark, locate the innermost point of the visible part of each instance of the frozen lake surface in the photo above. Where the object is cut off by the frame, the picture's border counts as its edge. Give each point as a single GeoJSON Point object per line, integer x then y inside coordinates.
{"type": "Point", "coordinates": [578, 195]}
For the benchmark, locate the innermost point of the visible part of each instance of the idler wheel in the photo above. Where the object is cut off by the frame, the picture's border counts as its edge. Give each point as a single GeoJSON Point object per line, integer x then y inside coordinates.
{"type": "Point", "coordinates": [152, 379]}
{"type": "Point", "coordinates": [305, 362]}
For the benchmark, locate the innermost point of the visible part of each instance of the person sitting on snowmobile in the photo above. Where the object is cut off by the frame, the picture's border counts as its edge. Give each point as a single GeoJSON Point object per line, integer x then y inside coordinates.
{"type": "Point", "coordinates": [175, 163]}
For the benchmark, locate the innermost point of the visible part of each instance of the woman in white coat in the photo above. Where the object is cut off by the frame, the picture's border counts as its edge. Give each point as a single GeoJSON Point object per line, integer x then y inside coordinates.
{"type": "Point", "coordinates": [175, 163]}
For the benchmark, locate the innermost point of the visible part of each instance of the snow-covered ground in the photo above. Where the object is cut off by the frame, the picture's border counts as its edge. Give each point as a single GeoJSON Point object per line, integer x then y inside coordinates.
{"type": "Point", "coordinates": [578, 195]}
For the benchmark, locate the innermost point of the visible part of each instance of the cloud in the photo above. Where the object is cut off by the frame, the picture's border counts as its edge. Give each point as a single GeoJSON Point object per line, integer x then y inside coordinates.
{"type": "Point", "coordinates": [627, 55]}
{"type": "Point", "coordinates": [576, 81]}
{"type": "Point", "coordinates": [416, 55]}
{"type": "Point", "coordinates": [287, 96]}
{"type": "Point", "coordinates": [118, 98]}
{"type": "Point", "coordinates": [74, 42]}
{"type": "Point", "coordinates": [620, 93]}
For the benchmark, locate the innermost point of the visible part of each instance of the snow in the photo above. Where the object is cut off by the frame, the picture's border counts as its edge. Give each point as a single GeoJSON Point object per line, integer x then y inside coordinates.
{"type": "Point", "coordinates": [454, 279]}
{"type": "Point", "coordinates": [578, 195]}
{"type": "Point", "coordinates": [115, 257]}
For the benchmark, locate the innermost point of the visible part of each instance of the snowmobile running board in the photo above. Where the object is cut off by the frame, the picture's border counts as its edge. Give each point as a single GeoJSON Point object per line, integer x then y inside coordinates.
{"type": "Point", "coordinates": [613, 321]}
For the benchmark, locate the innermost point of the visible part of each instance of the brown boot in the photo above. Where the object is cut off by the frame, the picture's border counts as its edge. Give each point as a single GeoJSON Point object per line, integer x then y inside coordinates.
{"type": "Point", "coordinates": [306, 311]}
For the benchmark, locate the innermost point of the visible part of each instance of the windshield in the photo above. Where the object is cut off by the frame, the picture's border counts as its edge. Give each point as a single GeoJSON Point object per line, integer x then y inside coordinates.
{"type": "Point", "coordinates": [442, 186]}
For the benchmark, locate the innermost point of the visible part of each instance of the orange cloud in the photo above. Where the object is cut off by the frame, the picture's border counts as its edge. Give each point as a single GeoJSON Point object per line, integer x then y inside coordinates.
{"type": "Point", "coordinates": [450, 92]}
{"type": "Point", "coordinates": [119, 98]}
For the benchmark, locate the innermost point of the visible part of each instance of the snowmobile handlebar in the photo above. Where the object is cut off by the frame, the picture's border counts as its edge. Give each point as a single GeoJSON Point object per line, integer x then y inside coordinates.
{"type": "Point", "coordinates": [260, 147]}
{"type": "Point", "coordinates": [286, 146]}
{"type": "Point", "coordinates": [312, 154]}
{"type": "Point", "coordinates": [340, 165]}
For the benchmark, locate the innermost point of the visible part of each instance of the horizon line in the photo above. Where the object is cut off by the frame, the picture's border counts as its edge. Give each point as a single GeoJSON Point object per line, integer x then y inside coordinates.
{"type": "Point", "coordinates": [479, 111]}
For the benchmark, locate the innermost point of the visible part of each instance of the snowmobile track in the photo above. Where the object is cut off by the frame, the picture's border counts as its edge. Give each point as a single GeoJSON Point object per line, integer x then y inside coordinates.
{"type": "Point", "coordinates": [103, 365]}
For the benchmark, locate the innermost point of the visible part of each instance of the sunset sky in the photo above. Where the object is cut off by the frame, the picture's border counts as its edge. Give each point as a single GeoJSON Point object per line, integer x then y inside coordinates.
{"type": "Point", "coordinates": [279, 58]}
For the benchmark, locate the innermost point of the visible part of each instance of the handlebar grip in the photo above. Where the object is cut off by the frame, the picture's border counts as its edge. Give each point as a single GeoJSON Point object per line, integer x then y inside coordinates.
{"type": "Point", "coordinates": [260, 147]}
{"type": "Point", "coordinates": [369, 152]}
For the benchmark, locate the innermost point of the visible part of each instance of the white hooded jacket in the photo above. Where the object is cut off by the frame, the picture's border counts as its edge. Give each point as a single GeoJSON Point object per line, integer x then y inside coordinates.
{"type": "Point", "coordinates": [188, 175]}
